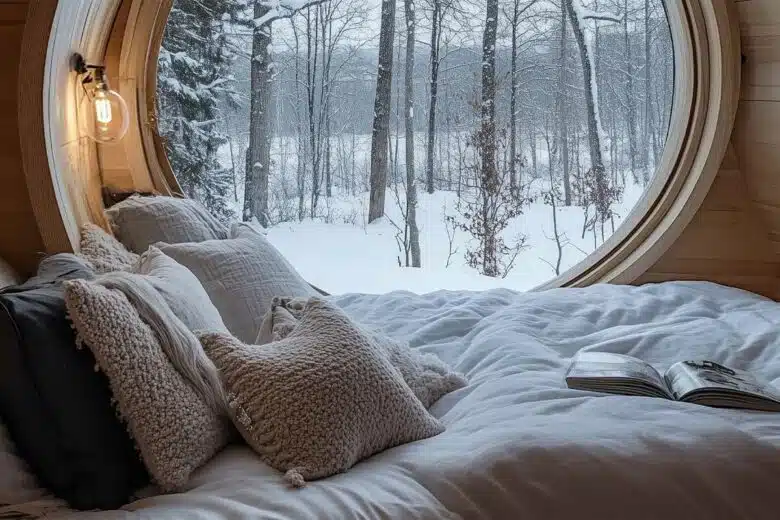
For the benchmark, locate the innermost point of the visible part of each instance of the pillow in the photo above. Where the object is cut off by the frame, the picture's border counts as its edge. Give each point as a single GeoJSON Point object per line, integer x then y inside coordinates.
{"type": "Point", "coordinates": [8, 275]}
{"type": "Point", "coordinates": [241, 276]}
{"type": "Point", "coordinates": [17, 483]}
{"type": "Point", "coordinates": [103, 251]}
{"type": "Point", "coordinates": [428, 376]}
{"type": "Point", "coordinates": [175, 429]}
{"type": "Point", "coordinates": [181, 290]}
{"type": "Point", "coordinates": [141, 221]}
{"type": "Point", "coordinates": [56, 407]}
{"type": "Point", "coordinates": [320, 400]}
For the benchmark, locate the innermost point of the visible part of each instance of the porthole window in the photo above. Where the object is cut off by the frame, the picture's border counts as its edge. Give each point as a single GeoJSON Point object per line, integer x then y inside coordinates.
{"type": "Point", "coordinates": [420, 144]}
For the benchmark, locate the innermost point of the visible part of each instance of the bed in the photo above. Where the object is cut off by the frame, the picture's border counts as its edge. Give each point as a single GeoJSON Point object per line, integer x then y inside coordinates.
{"type": "Point", "coordinates": [518, 443]}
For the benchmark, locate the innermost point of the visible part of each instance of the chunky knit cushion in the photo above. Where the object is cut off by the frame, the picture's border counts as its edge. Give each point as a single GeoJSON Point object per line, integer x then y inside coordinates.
{"type": "Point", "coordinates": [176, 432]}
{"type": "Point", "coordinates": [428, 376]}
{"type": "Point", "coordinates": [103, 251]}
{"type": "Point", "coordinates": [142, 221]}
{"type": "Point", "coordinates": [320, 400]}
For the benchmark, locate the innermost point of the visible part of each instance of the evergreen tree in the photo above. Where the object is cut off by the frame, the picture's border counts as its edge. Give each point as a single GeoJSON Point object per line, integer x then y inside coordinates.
{"type": "Point", "coordinates": [193, 76]}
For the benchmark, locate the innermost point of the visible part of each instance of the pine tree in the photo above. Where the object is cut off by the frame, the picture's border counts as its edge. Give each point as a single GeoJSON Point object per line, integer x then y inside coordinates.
{"type": "Point", "coordinates": [192, 78]}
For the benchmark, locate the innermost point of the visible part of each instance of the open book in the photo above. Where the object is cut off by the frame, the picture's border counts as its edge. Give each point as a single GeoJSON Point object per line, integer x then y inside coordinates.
{"type": "Point", "coordinates": [700, 382]}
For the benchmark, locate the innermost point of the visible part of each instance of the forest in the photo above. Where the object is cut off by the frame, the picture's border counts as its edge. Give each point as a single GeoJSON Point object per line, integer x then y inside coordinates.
{"type": "Point", "coordinates": [505, 139]}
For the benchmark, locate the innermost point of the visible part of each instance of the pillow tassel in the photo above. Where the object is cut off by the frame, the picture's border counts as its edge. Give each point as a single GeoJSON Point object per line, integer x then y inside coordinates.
{"type": "Point", "coordinates": [294, 477]}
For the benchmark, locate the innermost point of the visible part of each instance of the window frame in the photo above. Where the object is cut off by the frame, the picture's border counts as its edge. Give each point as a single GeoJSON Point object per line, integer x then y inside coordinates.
{"type": "Point", "coordinates": [705, 37]}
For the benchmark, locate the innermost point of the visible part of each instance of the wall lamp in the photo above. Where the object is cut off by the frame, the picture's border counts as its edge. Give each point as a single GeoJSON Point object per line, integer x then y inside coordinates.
{"type": "Point", "coordinates": [103, 114]}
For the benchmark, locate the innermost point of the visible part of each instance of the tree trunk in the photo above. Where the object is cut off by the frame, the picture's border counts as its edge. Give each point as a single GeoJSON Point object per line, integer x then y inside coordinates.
{"type": "Point", "coordinates": [260, 131]}
{"type": "Point", "coordinates": [382, 107]}
{"type": "Point", "coordinates": [411, 189]}
{"type": "Point", "coordinates": [434, 92]}
{"type": "Point", "coordinates": [591, 104]}
{"type": "Point", "coordinates": [513, 100]}
{"type": "Point", "coordinates": [563, 134]}
{"type": "Point", "coordinates": [489, 182]}
{"type": "Point", "coordinates": [648, 117]}
{"type": "Point", "coordinates": [312, 57]}
{"type": "Point", "coordinates": [630, 108]}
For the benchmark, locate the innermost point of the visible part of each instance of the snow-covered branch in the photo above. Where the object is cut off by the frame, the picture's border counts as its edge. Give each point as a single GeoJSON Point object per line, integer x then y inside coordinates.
{"type": "Point", "coordinates": [281, 9]}
{"type": "Point", "coordinates": [587, 14]}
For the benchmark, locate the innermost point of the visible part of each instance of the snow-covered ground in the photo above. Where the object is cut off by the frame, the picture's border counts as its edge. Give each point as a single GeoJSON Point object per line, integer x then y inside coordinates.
{"type": "Point", "coordinates": [342, 256]}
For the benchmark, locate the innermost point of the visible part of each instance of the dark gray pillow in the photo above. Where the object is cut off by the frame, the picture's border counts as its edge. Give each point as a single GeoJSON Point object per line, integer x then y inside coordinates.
{"type": "Point", "coordinates": [56, 407]}
{"type": "Point", "coordinates": [142, 221]}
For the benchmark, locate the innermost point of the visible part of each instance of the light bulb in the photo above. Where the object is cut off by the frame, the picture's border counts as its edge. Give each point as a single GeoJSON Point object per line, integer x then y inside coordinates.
{"type": "Point", "coordinates": [103, 114]}
{"type": "Point", "coordinates": [102, 104]}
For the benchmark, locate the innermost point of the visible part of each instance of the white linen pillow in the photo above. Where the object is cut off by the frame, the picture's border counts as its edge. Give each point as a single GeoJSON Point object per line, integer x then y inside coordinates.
{"type": "Point", "coordinates": [180, 289]}
{"type": "Point", "coordinates": [322, 399]}
{"type": "Point", "coordinates": [142, 221]}
{"type": "Point", "coordinates": [241, 275]}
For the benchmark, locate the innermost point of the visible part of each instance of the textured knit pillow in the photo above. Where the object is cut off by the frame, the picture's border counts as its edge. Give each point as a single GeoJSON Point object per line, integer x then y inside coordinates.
{"type": "Point", "coordinates": [142, 221]}
{"type": "Point", "coordinates": [241, 276]}
{"type": "Point", "coordinates": [181, 290]}
{"type": "Point", "coordinates": [428, 376]}
{"type": "Point", "coordinates": [175, 430]}
{"type": "Point", "coordinates": [320, 400]}
{"type": "Point", "coordinates": [103, 251]}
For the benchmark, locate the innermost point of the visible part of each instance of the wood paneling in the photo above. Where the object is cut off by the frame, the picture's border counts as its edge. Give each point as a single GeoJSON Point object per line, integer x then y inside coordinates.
{"type": "Point", "coordinates": [735, 237]}
{"type": "Point", "coordinates": [20, 241]}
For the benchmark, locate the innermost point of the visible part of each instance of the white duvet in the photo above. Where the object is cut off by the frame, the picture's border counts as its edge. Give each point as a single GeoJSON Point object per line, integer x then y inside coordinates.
{"type": "Point", "coordinates": [518, 443]}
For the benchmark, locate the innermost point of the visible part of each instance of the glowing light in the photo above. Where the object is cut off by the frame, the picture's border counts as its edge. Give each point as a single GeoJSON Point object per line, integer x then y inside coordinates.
{"type": "Point", "coordinates": [103, 112]}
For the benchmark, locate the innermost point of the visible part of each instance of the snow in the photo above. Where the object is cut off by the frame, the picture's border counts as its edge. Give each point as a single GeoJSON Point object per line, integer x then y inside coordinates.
{"type": "Point", "coordinates": [344, 257]}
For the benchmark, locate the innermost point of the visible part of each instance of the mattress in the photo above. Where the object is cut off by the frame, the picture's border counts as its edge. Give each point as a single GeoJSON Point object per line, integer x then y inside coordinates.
{"type": "Point", "coordinates": [518, 443]}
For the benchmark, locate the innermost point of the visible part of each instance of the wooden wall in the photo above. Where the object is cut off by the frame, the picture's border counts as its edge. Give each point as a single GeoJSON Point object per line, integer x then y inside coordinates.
{"type": "Point", "coordinates": [734, 239]}
{"type": "Point", "coordinates": [20, 240]}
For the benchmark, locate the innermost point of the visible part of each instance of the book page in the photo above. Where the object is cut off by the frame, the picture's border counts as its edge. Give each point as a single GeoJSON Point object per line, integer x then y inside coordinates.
{"type": "Point", "coordinates": [691, 376]}
{"type": "Point", "coordinates": [600, 368]}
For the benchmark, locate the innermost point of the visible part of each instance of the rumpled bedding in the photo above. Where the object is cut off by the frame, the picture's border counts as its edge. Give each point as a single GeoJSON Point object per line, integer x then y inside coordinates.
{"type": "Point", "coordinates": [519, 444]}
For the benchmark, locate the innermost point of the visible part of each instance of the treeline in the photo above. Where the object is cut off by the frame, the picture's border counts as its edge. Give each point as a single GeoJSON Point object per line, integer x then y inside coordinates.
{"type": "Point", "coordinates": [273, 105]}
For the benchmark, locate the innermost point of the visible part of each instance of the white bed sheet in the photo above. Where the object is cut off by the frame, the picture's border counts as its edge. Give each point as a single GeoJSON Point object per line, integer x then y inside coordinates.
{"type": "Point", "coordinates": [518, 443]}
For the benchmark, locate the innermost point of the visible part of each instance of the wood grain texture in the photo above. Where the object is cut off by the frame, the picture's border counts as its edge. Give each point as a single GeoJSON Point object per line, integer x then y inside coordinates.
{"type": "Point", "coordinates": [20, 241]}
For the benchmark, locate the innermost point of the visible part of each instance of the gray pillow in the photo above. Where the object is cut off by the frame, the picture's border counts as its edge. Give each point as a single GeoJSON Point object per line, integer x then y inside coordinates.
{"type": "Point", "coordinates": [104, 251]}
{"type": "Point", "coordinates": [175, 429]}
{"type": "Point", "coordinates": [320, 400]}
{"type": "Point", "coordinates": [428, 376]}
{"type": "Point", "coordinates": [142, 221]}
{"type": "Point", "coordinates": [17, 483]}
{"type": "Point", "coordinates": [241, 276]}
{"type": "Point", "coordinates": [180, 289]}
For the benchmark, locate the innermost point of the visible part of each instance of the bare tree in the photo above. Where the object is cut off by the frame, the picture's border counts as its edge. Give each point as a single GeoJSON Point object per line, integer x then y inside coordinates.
{"type": "Point", "coordinates": [411, 188]}
{"type": "Point", "coordinates": [436, 27]}
{"type": "Point", "coordinates": [382, 107]}
{"type": "Point", "coordinates": [561, 105]}
{"type": "Point", "coordinates": [600, 189]}
{"type": "Point", "coordinates": [258, 157]}
{"type": "Point", "coordinates": [630, 106]}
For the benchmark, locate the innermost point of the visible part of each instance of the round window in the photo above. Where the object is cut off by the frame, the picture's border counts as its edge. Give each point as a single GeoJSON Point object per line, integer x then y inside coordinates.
{"type": "Point", "coordinates": [419, 145]}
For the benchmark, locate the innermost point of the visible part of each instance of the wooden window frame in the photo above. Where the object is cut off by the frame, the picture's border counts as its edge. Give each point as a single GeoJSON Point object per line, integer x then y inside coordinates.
{"type": "Point", "coordinates": [706, 44]}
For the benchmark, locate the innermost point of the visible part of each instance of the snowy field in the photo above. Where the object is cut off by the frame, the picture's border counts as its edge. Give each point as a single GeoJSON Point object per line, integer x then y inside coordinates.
{"type": "Point", "coordinates": [346, 257]}
{"type": "Point", "coordinates": [341, 253]}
